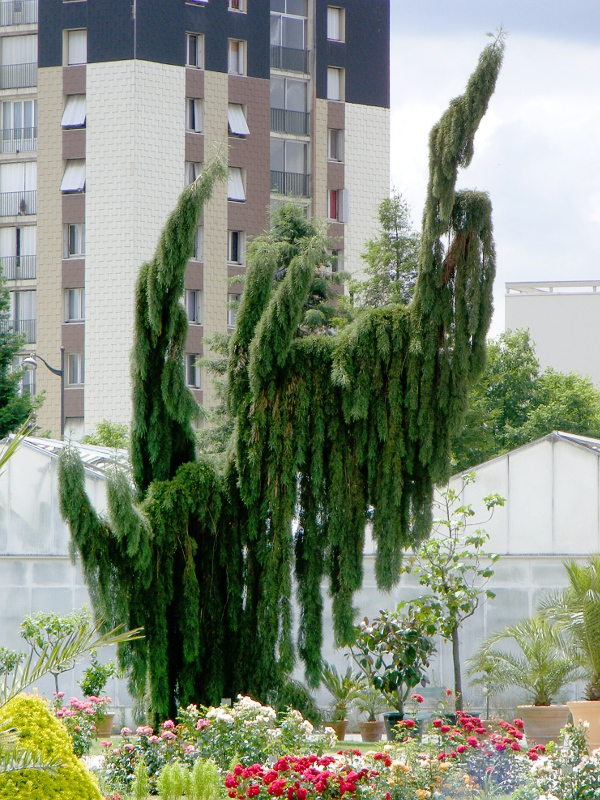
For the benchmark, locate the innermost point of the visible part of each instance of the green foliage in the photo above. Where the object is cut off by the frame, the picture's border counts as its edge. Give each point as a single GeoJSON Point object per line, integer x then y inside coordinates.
{"type": "Point", "coordinates": [577, 611]}
{"type": "Point", "coordinates": [391, 258]}
{"type": "Point", "coordinates": [451, 566]}
{"type": "Point", "coordinates": [15, 408]}
{"type": "Point", "coordinates": [95, 677]}
{"type": "Point", "coordinates": [205, 781]}
{"type": "Point", "coordinates": [514, 403]}
{"type": "Point", "coordinates": [328, 420]}
{"type": "Point", "coordinates": [393, 652]}
{"type": "Point", "coordinates": [9, 660]}
{"type": "Point", "coordinates": [544, 665]}
{"type": "Point", "coordinates": [109, 434]}
{"type": "Point", "coordinates": [42, 735]}
{"type": "Point", "coordinates": [172, 781]}
{"type": "Point", "coordinates": [344, 688]}
{"type": "Point", "coordinates": [370, 701]}
{"type": "Point", "coordinates": [141, 785]}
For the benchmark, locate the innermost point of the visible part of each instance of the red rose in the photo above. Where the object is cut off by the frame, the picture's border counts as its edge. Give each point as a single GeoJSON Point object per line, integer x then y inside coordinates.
{"type": "Point", "coordinates": [418, 697]}
{"type": "Point", "coordinates": [460, 748]}
{"type": "Point", "coordinates": [481, 730]}
{"type": "Point", "coordinates": [518, 723]}
{"type": "Point", "coordinates": [301, 793]}
{"type": "Point", "coordinates": [473, 741]}
{"type": "Point", "coordinates": [445, 728]}
{"type": "Point", "coordinates": [437, 723]}
{"type": "Point", "coordinates": [408, 723]}
{"type": "Point", "coordinates": [515, 746]}
{"type": "Point", "coordinates": [441, 756]}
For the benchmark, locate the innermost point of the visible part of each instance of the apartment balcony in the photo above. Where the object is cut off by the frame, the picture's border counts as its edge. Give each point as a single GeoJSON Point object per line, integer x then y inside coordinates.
{"type": "Point", "coordinates": [19, 140]}
{"type": "Point", "coordinates": [18, 268]}
{"type": "Point", "coordinates": [21, 327]}
{"type": "Point", "coordinates": [297, 122]}
{"type": "Point", "coordinates": [14, 204]}
{"type": "Point", "coordinates": [291, 59]}
{"type": "Point", "coordinates": [19, 76]}
{"type": "Point", "coordinates": [19, 12]}
{"type": "Point", "coordinates": [290, 183]}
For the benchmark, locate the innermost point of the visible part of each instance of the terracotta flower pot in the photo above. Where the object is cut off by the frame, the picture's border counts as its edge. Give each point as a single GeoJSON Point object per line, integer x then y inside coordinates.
{"type": "Point", "coordinates": [371, 730]}
{"type": "Point", "coordinates": [543, 723]}
{"type": "Point", "coordinates": [392, 719]}
{"type": "Point", "coordinates": [588, 711]}
{"type": "Point", "coordinates": [339, 726]}
{"type": "Point", "coordinates": [106, 726]}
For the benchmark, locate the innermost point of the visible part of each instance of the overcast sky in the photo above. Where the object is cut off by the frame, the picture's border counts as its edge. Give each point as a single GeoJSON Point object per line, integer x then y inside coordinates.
{"type": "Point", "coordinates": [537, 151]}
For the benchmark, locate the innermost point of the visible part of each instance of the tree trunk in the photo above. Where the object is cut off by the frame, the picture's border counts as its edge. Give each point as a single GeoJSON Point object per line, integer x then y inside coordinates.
{"type": "Point", "coordinates": [457, 677]}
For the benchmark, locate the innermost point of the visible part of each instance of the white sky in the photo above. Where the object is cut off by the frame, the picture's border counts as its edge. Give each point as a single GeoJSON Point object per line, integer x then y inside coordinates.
{"type": "Point", "coordinates": [537, 151]}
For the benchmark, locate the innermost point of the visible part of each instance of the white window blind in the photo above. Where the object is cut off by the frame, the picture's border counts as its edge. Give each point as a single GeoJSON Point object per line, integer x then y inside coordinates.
{"type": "Point", "coordinates": [74, 113]}
{"type": "Point", "coordinates": [192, 171]}
{"type": "Point", "coordinates": [194, 115]}
{"type": "Point", "coordinates": [333, 23]}
{"type": "Point", "coordinates": [19, 50]}
{"type": "Point", "coordinates": [77, 47]}
{"type": "Point", "coordinates": [18, 177]}
{"type": "Point", "coordinates": [235, 184]}
{"type": "Point", "coordinates": [237, 120]}
{"type": "Point", "coordinates": [343, 205]}
{"type": "Point", "coordinates": [28, 240]}
{"type": "Point", "coordinates": [8, 242]}
{"type": "Point", "coordinates": [237, 57]}
{"type": "Point", "coordinates": [74, 177]}
{"type": "Point", "coordinates": [333, 84]}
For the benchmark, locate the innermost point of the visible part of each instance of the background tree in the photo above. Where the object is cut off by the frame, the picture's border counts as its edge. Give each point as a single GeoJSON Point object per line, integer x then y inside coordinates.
{"type": "Point", "coordinates": [391, 258]}
{"type": "Point", "coordinates": [328, 421]}
{"type": "Point", "coordinates": [15, 407]}
{"type": "Point", "coordinates": [514, 403]}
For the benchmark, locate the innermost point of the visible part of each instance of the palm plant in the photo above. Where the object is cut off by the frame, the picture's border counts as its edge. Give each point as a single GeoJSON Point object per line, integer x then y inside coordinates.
{"type": "Point", "coordinates": [577, 611]}
{"type": "Point", "coordinates": [344, 688]}
{"type": "Point", "coordinates": [370, 701]}
{"type": "Point", "coordinates": [546, 662]}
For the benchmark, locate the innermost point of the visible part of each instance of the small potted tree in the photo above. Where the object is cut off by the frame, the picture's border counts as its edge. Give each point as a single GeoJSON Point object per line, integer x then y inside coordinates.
{"type": "Point", "coordinates": [393, 652]}
{"type": "Point", "coordinates": [371, 702]}
{"type": "Point", "coordinates": [93, 683]}
{"type": "Point", "coordinates": [344, 689]}
{"type": "Point", "coordinates": [544, 665]}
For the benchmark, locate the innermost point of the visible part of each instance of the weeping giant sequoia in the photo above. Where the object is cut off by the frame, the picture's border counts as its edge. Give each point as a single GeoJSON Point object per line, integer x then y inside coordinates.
{"type": "Point", "coordinates": [331, 424]}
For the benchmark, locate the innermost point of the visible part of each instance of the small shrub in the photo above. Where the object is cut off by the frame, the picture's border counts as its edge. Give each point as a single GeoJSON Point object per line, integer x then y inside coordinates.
{"type": "Point", "coordinates": [42, 734]}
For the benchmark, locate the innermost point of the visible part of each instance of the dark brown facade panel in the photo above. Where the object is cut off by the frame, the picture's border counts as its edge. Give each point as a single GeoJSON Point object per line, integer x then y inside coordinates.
{"type": "Point", "coordinates": [194, 276]}
{"type": "Point", "coordinates": [199, 395]}
{"type": "Point", "coordinates": [73, 403]}
{"type": "Point", "coordinates": [73, 208]}
{"type": "Point", "coordinates": [240, 87]}
{"type": "Point", "coordinates": [74, 79]}
{"type": "Point", "coordinates": [194, 83]}
{"type": "Point", "coordinates": [336, 233]}
{"type": "Point", "coordinates": [73, 273]}
{"type": "Point", "coordinates": [336, 114]}
{"type": "Point", "coordinates": [193, 342]}
{"type": "Point", "coordinates": [238, 151]}
{"type": "Point", "coordinates": [194, 147]}
{"type": "Point", "coordinates": [73, 144]}
{"type": "Point", "coordinates": [335, 175]}
{"type": "Point", "coordinates": [73, 337]}
{"type": "Point", "coordinates": [233, 271]}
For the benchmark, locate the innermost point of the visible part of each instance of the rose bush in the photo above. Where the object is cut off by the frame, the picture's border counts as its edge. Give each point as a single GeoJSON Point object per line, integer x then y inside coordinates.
{"type": "Point", "coordinates": [81, 718]}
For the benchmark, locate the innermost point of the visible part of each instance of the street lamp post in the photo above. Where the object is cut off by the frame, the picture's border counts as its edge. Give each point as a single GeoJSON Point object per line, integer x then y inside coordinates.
{"type": "Point", "coordinates": [31, 363]}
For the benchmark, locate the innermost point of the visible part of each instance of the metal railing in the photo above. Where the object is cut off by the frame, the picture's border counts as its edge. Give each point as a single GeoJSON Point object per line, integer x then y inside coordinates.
{"type": "Point", "coordinates": [294, 183]}
{"type": "Point", "coordinates": [18, 12]}
{"type": "Point", "coordinates": [22, 327]}
{"type": "Point", "coordinates": [19, 76]}
{"type": "Point", "coordinates": [284, 121]}
{"type": "Point", "coordinates": [290, 58]}
{"type": "Point", "coordinates": [19, 140]}
{"type": "Point", "coordinates": [18, 267]}
{"type": "Point", "coordinates": [13, 204]}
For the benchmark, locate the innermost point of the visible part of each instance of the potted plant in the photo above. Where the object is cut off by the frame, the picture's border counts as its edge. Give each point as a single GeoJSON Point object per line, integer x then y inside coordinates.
{"type": "Point", "coordinates": [344, 689]}
{"type": "Point", "coordinates": [371, 702]}
{"type": "Point", "coordinates": [393, 652]}
{"type": "Point", "coordinates": [93, 682]}
{"type": "Point", "coordinates": [545, 664]}
{"type": "Point", "coordinates": [577, 611]}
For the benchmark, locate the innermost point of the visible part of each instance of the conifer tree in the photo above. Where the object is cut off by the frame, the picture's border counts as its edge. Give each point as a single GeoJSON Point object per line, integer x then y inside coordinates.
{"type": "Point", "coordinates": [327, 422]}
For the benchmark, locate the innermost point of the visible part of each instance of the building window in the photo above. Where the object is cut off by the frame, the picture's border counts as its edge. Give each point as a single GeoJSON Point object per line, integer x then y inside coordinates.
{"type": "Point", "coordinates": [235, 247]}
{"type": "Point", "coordinates": [335, 24]}
{"type": "Point", "coordinates": [76, 47]}
{"type": "Point", "coordinates": [19, 126]}
{"type": "Point", "coordinates": [338, 205]}
{"type": "Point", "coordinates": [19, 61]}
{"type": "Point", "coordinates": [237, 57]}
{"type": "Point", "coordinates": [233, 301]}
{"type": "Point", "coordinates": [75, 369]}
{"type": "Point", "coordinates": [18, 188]}
{"type": "Point", "coordinates": [193, 373]}
{"type": "Point", "coordinates": [74, 113]}
{"type": "Point", "coordinates": [192, 172]}
{"type": "Point", "coordinates": [289, 155]}
{"type": "Point", "coordinates": [193, 306]}
{"type": "Point", "coordinates": [27, 381]}
{"type": "Point", "coordinates": [194, 115]}
{"type": "Point", "coordinates": [199, 244]}
{"type": "Point", "coordinates": [334, 262]}
{"type": "Point", "coordinates": [289, 26]}
{"type": "Point", "coordinates": [335, 83]}
{"type": "Point", "coordinates": [18, 252]}
{"type": "Point", "coordinates": [237, 120]}
{"type": "Point", "coordinates": [195, 50]}
{"type": "Point", "coordinates": [335, 144]}
{"type": "Point", "coordinates": [74, 176]}
{"type": "Point", "coordinates": [236, 189]}
{"type": "Point", "coordinates": [289, 94]}
{"type": "Point", "coordinates": [75, 305]}
{"type": "Point", "coordinates": [237, 5]}
{"type": "Point", "coordinates": [74, 241]}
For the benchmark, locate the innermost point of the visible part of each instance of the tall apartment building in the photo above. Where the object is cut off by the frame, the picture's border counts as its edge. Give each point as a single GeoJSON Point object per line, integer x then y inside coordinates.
{"type": "Point", "coordinates": [116, 108]}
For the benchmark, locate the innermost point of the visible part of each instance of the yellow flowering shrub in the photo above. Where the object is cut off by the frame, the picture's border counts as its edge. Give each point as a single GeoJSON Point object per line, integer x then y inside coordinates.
{"type": "Point", "coordinates": [40, 732]}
